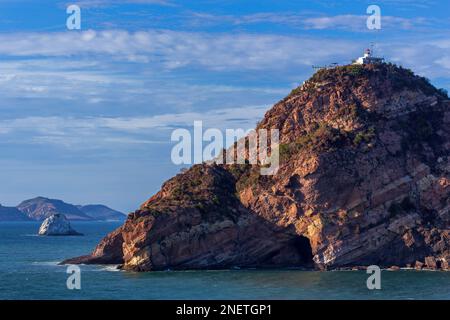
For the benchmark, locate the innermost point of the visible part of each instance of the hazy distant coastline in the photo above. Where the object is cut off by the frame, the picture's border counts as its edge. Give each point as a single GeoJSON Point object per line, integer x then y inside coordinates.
{"type": "Point", "coordinates": [40, 208]}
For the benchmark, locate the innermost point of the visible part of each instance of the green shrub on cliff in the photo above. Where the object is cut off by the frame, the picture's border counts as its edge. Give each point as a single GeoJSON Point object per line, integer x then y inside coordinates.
{"type": "Point", "coordinates": [366, 136]}
{"type": "Point", "coordinates": [355, 69]}
{"type": "Point", "coordinates": [249, 179]}
{"type": "Point", "coordinates": [324, 138]}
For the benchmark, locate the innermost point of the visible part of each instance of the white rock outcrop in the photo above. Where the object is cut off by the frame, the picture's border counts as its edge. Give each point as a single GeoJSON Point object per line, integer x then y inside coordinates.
{"type": "Point", "coordinates": [57, 225]}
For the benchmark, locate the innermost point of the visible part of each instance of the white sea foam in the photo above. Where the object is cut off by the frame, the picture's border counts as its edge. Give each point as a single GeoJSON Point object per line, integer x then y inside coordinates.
{"type": "Point", "coordinates": [46, 263]}
{"type": "Point", "coordinates": [111, 268]}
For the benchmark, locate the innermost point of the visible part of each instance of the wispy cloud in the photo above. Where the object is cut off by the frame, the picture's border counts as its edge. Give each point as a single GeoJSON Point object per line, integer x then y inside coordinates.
{"type": "Point", "coordinates": [102, 67]}
{"type": "Point", "coordinates": [105, 3]}
{"type": "Point", "coordinates": [173, 49]}
{"type": "Point", "coordinates": [54, 85]}
{"type": "Point", "coordinates": [357, 23]}
{"type": "Point", "coordinates": [308, 21]}
{"type": "Point", "coordinates": [104, 131]}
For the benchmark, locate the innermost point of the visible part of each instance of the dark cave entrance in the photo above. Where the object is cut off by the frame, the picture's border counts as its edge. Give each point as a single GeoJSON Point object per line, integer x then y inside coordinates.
{"type": "Point", "coordinates": [303, 247]}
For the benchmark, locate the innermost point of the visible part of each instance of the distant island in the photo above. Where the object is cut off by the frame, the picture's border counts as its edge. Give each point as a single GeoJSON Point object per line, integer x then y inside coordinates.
{"type": "Point", "coordinates": [40, 208]}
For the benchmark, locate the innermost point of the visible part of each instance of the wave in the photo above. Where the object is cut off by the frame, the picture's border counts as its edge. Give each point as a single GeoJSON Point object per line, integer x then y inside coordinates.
{"type": "Point", "coordinates": [46, 263]}
{"type": "Point", "coordinates": [110, 268]}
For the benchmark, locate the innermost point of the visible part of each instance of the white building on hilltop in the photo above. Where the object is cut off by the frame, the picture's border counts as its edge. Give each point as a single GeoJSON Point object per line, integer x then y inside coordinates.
{"type": "Point", "coordinates": [368, 59]}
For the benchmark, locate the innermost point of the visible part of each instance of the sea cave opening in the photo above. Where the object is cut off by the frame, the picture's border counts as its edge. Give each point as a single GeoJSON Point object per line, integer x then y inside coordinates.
{"type": "Point", "coordinates": [304, 250]}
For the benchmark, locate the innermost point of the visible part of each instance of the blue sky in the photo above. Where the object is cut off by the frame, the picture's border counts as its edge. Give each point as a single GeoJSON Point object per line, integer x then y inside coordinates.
{"type": "Point", "coordinates": [86, 116]}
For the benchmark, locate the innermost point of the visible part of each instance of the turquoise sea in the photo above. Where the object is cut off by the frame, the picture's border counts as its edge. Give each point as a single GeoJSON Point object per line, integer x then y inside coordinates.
{"type": "Point", "coordinates": [29, 270]}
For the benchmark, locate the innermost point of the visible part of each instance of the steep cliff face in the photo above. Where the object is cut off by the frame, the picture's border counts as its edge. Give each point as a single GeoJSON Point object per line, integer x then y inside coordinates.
{"type": "Point", "coordinates": [364, 179]}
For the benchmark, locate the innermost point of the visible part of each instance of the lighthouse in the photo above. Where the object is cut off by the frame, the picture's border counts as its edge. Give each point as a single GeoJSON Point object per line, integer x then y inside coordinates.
{"type": "Point", "coordinates": [367, 58]}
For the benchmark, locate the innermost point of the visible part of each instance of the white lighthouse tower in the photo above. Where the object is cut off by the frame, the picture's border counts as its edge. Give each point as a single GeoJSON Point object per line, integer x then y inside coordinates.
{"type": "Point", "coordinates": [367, 58]}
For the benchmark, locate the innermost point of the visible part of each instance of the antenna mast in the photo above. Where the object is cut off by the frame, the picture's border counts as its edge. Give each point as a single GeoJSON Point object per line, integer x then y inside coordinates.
{"type": "Point", "coordinates": [372, 48]}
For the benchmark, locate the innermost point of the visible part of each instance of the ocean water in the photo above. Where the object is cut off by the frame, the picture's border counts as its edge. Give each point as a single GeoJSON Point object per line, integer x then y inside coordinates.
{"type": "Point", "coordinates": [29, 270]}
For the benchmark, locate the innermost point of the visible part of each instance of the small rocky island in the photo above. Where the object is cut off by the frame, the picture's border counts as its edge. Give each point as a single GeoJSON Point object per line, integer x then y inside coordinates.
{"type": "Point", "coordinates": [57, 225]}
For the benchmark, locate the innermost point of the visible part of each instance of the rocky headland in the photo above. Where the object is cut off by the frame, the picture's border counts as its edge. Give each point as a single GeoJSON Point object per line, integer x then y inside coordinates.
{"type": "Point", "coordinates": [364, 179]}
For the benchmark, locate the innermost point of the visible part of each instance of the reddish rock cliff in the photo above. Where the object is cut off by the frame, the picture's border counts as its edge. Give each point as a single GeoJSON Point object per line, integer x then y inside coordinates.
{"type": "Point", "coordinates": [364, 179]}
